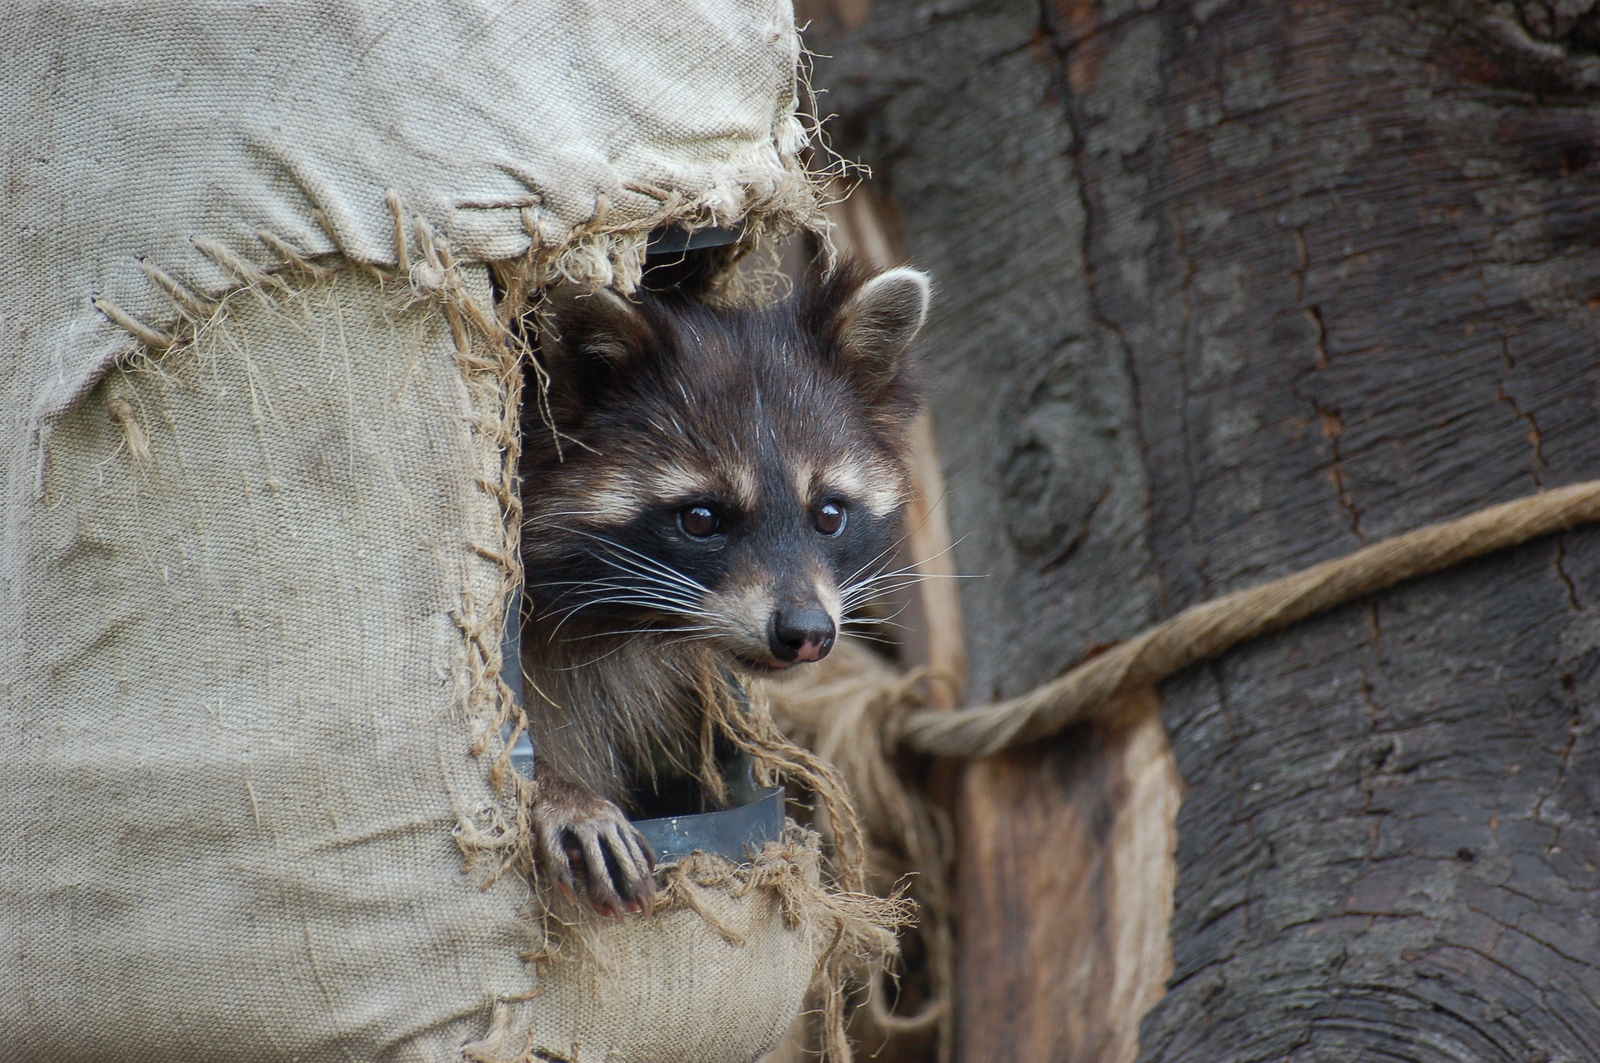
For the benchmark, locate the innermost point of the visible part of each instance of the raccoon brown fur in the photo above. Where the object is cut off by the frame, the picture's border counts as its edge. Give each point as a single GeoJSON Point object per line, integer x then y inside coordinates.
{"type": "Point", "coordinates": [719, 490]}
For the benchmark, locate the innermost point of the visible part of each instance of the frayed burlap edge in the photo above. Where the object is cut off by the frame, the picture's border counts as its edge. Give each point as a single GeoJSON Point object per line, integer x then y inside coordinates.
{"type": "Point", "coordinates": [859, 927]}
{"type": "Point", "coordinates": [488, 354]}
{"type": "Point", "coordinates": [854, 931]}
{"type": "Point", "coordinates": [750, 727]}
{"type": "Point", "coordinates": [602, 253]}
{"type": "Point", "coordinates": [845, 710]}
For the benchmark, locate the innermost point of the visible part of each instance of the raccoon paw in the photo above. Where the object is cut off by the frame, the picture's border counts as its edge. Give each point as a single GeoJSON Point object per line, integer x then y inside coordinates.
{"type": "Point", "coordinates": [590, 850]}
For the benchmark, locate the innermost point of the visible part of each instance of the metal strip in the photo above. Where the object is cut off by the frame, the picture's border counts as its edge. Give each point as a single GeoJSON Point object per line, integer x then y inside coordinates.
{"type": "Point", "coordinates": [734, 834]}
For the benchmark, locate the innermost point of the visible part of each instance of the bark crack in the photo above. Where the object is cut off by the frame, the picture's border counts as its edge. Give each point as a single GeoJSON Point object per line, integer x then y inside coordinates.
{"type": "Point", "coordinates": [1185, 290]}
{"type": "Point", "coordinates": [1569, 955]}
{"type": "Point", "coordinates": [1374, 714]}
{"type": "Point", "coordinates": [1499, 934]}
{"type": "Point", "coordinates": [1329, 418]}
{"type": "Point", "coordinates": [1331, 421]}
{"type": "Point", "coordinates": [1574, 726]}
{"type": "Point", "coordinates": [1061, 50]}
{"type": "Point", "coordinates": [1302, 263]}
{"type": "Point", "coordinates": [1560, 563]}
{"type": "Point", "coordinates": [1215, 667]}
{"type": "Point", "coordinates": [1535, 437]}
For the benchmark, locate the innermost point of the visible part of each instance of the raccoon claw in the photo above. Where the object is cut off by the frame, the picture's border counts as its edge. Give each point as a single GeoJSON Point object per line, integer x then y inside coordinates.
{"type": "Point", "coordinates": [592, 853]}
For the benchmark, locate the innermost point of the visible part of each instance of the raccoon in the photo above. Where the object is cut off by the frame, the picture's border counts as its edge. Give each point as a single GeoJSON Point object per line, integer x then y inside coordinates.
{"type": "Point", "coordinates": [706, 488]}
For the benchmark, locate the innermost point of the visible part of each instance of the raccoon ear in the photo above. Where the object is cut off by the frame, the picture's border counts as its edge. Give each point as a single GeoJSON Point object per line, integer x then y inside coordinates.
{"type": "Point", "coordinates": [875, 327]}
{"type": "Point", "coordinates": [591, 340]}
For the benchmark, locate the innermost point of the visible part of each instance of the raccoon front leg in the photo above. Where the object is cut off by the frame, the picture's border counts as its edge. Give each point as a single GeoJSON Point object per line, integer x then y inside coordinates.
{"type": "Point", "coordinates": [590, 850]}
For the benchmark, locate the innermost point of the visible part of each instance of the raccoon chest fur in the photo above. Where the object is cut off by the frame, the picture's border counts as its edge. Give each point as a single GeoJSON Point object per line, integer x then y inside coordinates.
{"type": "Point", "coordinates": [705, 491]}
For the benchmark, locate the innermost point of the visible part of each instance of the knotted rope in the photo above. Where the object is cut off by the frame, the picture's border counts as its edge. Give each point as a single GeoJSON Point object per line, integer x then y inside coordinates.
{"type": "Point", "coordinates": [857, 712]}
{"type": "Point", "coordinates": [1212, 627]}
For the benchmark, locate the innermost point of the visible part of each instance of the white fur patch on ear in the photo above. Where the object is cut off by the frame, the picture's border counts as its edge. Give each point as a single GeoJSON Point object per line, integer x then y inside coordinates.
{"type": "Point", "coordinates": [611, 299]}
{"type": "Point", "coordinates": [609, 342]}
{"type": "Point", "coordinates": [879, 322]}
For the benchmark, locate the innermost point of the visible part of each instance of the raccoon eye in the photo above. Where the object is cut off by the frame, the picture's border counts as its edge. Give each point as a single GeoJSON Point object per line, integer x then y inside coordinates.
{"type": "Point", "coordinates": [830, 518]}
{"type": "Point", "coordinates": [700, 522]}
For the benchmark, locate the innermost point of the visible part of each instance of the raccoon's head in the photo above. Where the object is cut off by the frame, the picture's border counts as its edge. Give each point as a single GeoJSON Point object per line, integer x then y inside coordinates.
{"type": "Point", "coordinates": [728, 477]}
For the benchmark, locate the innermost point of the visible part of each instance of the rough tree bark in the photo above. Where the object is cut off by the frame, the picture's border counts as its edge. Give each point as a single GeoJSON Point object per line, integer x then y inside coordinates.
{"type": "Point", "coordinates": [1226, 289]}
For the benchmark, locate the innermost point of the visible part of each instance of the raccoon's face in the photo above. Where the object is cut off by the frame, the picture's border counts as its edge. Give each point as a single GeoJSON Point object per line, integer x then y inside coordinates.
{"type": "Point", "coordinates": [734, 478]}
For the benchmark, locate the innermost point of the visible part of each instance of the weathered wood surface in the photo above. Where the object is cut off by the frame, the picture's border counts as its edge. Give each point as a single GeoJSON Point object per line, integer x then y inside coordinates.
{"type": "Point", "coordinates": [1068, 853]}
{"type": "Point", "coordinates": [1227, 289]}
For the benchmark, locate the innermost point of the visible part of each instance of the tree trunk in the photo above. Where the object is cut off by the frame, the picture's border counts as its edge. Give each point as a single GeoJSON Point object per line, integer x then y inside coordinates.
{"type": "Point", "coordinates": [1226, 289]}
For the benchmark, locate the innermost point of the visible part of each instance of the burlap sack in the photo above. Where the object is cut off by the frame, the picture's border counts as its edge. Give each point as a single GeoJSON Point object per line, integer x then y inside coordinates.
{"type": "Point", "coordinates": [255, 539]}
{"type": "Point", "coordinates": [133, 129]}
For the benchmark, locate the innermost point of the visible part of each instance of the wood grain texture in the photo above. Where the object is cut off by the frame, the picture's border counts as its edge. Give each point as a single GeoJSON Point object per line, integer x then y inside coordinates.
{"type": "Point", "coordinates": [867, 227]}
{"type": "Point", "coordinates": [1355, 315]}
{"type": "Point", "coordinates": [1036, 422]}
{"type": "Point", "coordinates": [1231, 288]}
{"type": "Point", "coordinates": [1067, 850]}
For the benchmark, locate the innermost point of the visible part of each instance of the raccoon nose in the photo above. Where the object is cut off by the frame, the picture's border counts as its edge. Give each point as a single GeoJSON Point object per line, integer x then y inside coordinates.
{"type": "Point", "coordinates": [796, 635]}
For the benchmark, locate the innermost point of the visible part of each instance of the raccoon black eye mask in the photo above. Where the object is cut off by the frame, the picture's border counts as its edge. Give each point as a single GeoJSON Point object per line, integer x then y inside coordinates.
{"type": "Point", "coordinates": [717, 490]}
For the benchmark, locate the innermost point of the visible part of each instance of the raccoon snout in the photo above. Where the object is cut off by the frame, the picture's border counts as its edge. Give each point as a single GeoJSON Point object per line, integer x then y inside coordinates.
{"type": "Point", "coordinates": [795, 635]}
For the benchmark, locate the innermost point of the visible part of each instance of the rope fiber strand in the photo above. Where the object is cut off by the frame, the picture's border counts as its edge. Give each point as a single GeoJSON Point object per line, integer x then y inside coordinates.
{"type": "Point", "coordinates": [1094, 689]}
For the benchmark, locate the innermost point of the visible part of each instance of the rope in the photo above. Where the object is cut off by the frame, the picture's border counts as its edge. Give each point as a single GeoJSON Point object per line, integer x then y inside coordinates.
{"type": "Point", "coordinates": [1093, 689]}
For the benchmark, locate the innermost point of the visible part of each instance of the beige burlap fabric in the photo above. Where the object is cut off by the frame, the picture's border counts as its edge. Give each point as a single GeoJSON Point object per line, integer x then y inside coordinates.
{"type": "Point", "coordinates": [250, 573]}
{"type": "Point", "coordinates": [133, 128]}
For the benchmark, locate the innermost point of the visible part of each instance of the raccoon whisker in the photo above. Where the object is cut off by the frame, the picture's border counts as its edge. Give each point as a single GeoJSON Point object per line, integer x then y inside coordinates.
{"type": "Point", "coordinates": [632, 571]}
{"type": "Point", "coordinates": [890, 618]}
{"type": "Point", "coordinates": [854, 597]}
{"type": "Point", "coordinates": [894, 573]}
{"type": "Point", "coordinates": [874, 586]}
{"type": "Point", "coordinates": [863, 629]}
{"type": "Point", "coordinates": [856, 580]}
{"type": "Point", "coordinates": [880, 555]}
{"type": "Point", "coordinates": [671, 598]}
{"type": "Point", "coordinates": [570, 613]}
{"type": "Point", "coordinates": [643, 603]}
{"type": "Point", "coordinates": [631, 579]}
{"type": "Point", "coordinates": [579, 597]}
{"type": "Point", "coordinates": [586, 664]}
{"type": "Point", "coordinates": [858, 604]}
{"type": "Point", "coordinates": [602, 581]}
{"type": "Point", "coordinates": [709, 637]}
{"type": "Point", "coordinates": [634, 557]}
{"type": "Point", "coordinates": [864, 637]}
{"type": "Point", "coordinates": [906, 535]}
{"type": "Point", "coordinates": [624, 578]}
{"type": "Point", "coordinates": [595, 593]}
{"type": "Point", "coordinates": [545, 518]}
{"type": "Point", "coordinates": [645, 631]}
{"type": "Point", "coordinates": [913, 576]}
{"type": "Point", "coordinates": [859, 620]}
{"type": "Point", "coordinates": [919, 562]}
{"type": "Point", "coordinates": [913, 571]}
{"type": "Point", "coordinates": [908, 568]}
{"type": "Point", "coordinates": [617, 648]}
{"type": "Point", "coordinates": [661, 576]}
{"type": "Point", "coordinates": [640, 584]}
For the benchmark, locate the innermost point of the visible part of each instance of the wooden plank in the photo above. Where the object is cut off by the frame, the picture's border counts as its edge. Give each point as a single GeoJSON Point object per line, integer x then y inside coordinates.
{"type": "Point", "coordinates": [1227, 289]}
{"type": "Point", "coordinates": [1066, 878]}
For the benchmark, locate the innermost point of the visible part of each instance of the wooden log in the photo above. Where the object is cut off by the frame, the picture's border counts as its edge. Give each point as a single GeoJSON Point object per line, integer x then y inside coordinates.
{"type": "Point", "coordinates": [1067, 854]}
{"type": "Point", "coordinates": [1227, 289]}
{"type": "Point", "coordinates": [867, 227]}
